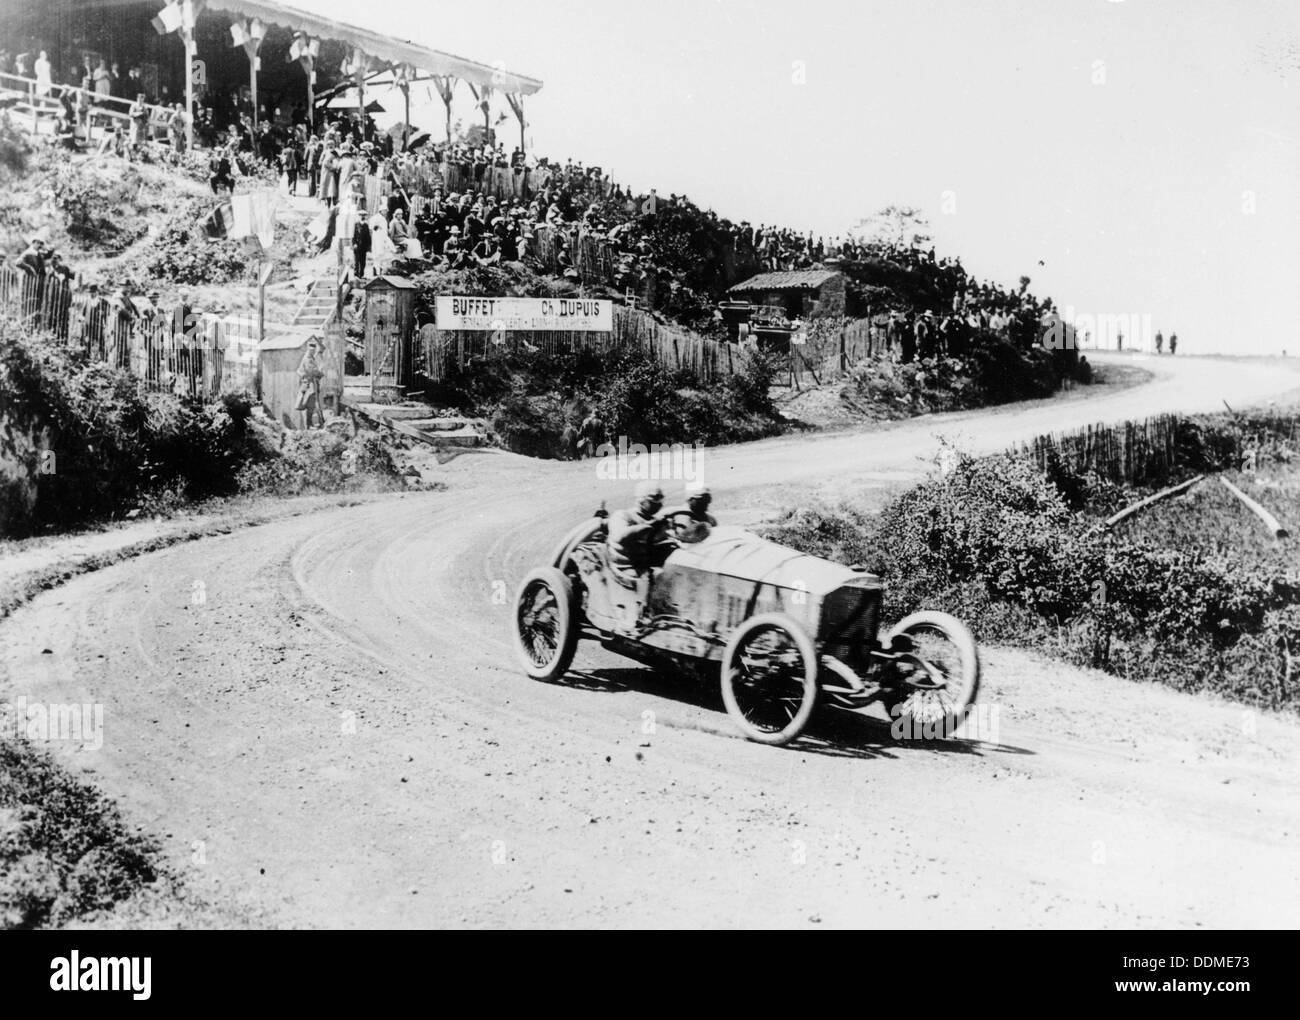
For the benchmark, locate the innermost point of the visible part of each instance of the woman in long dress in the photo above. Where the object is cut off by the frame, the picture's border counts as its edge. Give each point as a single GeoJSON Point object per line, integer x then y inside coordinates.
{"type": "Point", "coordinates": [329, 178]}
{"type": "Point", "coordinates": [42, 70]}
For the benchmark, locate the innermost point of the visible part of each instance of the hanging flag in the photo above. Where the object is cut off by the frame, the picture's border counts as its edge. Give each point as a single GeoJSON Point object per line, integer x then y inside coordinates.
{"type": "Point", "coordinates": [254, 216]}
{"type": "Point", "coordinates": [239, 34]}
{"type": "Point", "coordinates": [218, 223]}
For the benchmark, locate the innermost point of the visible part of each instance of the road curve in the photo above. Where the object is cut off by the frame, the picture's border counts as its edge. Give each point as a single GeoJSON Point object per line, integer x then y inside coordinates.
{"type": "Point", "coordinates": [331, 729]}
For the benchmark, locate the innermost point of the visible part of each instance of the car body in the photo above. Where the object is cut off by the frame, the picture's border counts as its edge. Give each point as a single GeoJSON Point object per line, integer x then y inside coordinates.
{"type": "Point", "coordinates": [783, 626]}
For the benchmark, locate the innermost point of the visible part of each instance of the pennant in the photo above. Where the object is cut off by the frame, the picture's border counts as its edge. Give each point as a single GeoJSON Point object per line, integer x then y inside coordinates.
{"type": "Point", "coordinates": [239, 34]}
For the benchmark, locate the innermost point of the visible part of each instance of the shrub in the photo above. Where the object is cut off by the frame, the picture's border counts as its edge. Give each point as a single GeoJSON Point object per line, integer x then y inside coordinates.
{"type": "Point", "coordinates": [997, 543]}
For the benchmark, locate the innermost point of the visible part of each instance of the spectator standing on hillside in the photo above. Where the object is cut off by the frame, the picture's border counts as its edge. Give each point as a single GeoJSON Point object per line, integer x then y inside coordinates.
{"type": "Point", "coordinates": [42, 70]}
{"type": "Point", "coordinates": [907, 338]}
{"type": "Point", "coordinates": [1173, 343]}
{"type": "Point", "coordinates": [32, 259]}
{"type": "Point", "coordinates": [924, 336]}
{"type": "Point", "coordinates": [176, 127]}
{"type": "Point", "coordinates": [139, 114]}
{"type": "Point", "coordinates": [361, 245]}
{"type": "Point", "coordinates": [313, 156]}
{"type": "Point", "coordinates": [329, 178]}
{"type": "Point", "coordinates": [289, 161]}
{"type": "Point", "coordinates": [310, 374]}
{"type": "Point", "coordinates": [103, 80]}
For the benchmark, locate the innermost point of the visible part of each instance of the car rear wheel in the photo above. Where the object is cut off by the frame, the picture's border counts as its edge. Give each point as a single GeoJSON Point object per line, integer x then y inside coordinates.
{"type": "Point", "coordinates": [937, 678]}
{"type": "Point", "coordinates": [769, 678]}
{"type": "Point", "coordinates": [546, 627]}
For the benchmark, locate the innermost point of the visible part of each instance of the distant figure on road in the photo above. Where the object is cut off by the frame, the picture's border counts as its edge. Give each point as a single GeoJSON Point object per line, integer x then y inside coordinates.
{"type": "Point", "coordinates": [1119, 340]}
{"type": "Point", "coordinates": [1160, 342]}
{"type": "Point", "coordinates": [1173, 343]}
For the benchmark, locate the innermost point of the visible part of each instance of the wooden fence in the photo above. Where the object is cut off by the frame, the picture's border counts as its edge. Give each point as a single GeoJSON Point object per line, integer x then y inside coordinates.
{"type": "Point", "coordinates": [167, 349]}
{"type": "Point", "coordinates": [445, 352]}
{"type": "Point", "coordinates": [1135, 452]}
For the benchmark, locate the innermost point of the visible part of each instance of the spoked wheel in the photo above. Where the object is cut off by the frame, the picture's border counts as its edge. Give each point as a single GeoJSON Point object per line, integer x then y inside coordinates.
{"type": "Point", "coordinates": [937, 677]}
{"type": "Point", "coordinates": [769, 678]}
{"type": "Point", "coordinates": [546, 629]}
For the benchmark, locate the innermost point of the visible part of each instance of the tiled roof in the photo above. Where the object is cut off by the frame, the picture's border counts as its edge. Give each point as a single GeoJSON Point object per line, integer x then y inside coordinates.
{"type": "Point", "coordinates": [799, 279]}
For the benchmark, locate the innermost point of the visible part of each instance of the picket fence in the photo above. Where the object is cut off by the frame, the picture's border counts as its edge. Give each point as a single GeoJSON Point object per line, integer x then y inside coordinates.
{"type": "Point", "coordinates": [204, 357]}
{"type": "Point", "coordinates": [1134, 452]}
{"type": "Point", "coordinates": [446, 352]}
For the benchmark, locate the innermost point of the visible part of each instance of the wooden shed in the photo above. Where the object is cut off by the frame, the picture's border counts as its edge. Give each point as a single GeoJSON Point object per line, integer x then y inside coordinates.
{"type": "Point", "coordinates": [800, 293]}
{"type": "Point", "coordinates": [390, 318]}
{"type": "Point", "coordinates": [278, 359]}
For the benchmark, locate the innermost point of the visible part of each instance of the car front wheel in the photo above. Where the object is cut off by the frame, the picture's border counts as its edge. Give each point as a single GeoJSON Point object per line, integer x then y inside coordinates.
{"type": "Point", "coordinates": [769, 678]}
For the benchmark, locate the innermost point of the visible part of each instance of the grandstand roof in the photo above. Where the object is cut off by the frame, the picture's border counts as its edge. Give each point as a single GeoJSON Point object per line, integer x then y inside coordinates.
{"type": "Point", "coordinates": [373, 44]}
{"type": "Point", "coordinates": [798, 279]}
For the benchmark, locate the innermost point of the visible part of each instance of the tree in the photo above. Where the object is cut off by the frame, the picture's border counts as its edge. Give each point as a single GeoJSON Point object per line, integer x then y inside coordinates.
{"type": "Point", "coordinates": [902, 225]}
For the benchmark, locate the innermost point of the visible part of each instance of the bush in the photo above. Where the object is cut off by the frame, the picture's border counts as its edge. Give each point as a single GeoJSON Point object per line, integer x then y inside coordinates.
{"type": "Point", "coordinates": [183, 254]}
{"type": "Point", "coordinates": [997, 543]}
{"type": "Point", "coordinates": [64, 850]}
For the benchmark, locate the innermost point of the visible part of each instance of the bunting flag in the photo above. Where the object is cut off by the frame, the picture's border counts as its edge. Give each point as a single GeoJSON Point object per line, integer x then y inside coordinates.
{"type": "Point", "coordinates": [169, 19]}
{"type": "Point", "coordinates": [303, 48]}
{"type": "Point", "coordinates": [239, 34]}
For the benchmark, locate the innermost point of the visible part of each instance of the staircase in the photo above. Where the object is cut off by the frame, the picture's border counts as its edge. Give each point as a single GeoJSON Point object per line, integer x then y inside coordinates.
{"type": "Point", "coordinates": [318, 307]}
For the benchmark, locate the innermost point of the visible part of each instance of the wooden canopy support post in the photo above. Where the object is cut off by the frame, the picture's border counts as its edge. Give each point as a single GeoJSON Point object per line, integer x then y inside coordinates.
{"type": "Point", "coordinates": [305, 50]}
{"type": "Point", "coordinates": [1269, 520]}
{"type": "Point", "coordinates": [1173, 490]}
{"type": "Point", "coordinates": [483, 98]}
{"type": "Point", "coordinates": [516, 101]}
{"type": "Point", "coordinates": [446, 85]}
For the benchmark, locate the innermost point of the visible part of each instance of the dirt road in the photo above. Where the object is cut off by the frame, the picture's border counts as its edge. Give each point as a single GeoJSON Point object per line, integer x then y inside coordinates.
{"type": "Point", "coordinates": [323, 718]}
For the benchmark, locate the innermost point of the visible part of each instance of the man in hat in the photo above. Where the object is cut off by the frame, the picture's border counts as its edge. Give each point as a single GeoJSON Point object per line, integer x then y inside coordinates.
{"type": "Point", "coordinates": [32, 259]}
{"type": "Point", "coordinates": [87, 322]}
{"type": "Point", "coordinates": [637, 544]}
{"type": "Point", "coordinates": [310, 374]}
{"type": "Point", "coordinates": [362, 242]}
{"type": "Point", "coordinates": [451, 249]}
{"type": "Point", "coordinates": [55, 267]}
{"type": "Point", "coordinates": [925, 335]}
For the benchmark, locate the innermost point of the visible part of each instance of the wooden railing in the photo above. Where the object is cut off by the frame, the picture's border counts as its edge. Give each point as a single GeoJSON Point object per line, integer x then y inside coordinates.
{"type": "Point", "coordinates": [89, 104]}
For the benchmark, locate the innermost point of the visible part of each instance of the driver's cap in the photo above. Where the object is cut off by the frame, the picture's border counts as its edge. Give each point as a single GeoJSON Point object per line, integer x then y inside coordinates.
{"type": "Point", "coordinates": [649, 490]}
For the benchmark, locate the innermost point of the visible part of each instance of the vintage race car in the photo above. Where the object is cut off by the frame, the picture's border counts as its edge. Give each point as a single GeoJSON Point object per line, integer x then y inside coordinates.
{"type": "Point", "coordinates": [788, 630]}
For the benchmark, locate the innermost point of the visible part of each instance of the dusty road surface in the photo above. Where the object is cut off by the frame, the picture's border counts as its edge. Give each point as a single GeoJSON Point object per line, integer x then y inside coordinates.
{"type": "Point", "coordinates": [323, 719]}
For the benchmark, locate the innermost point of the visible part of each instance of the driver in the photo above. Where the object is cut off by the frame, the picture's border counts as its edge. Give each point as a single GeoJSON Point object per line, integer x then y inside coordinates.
{"type": "Point", "coordinates": [631, 532]}
{"type": "Point", "coordinates": [636, 545]}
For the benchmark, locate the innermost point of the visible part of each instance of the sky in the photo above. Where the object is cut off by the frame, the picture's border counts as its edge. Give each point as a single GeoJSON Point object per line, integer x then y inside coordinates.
{"type": "Point", "coordinates": [1132, 157]}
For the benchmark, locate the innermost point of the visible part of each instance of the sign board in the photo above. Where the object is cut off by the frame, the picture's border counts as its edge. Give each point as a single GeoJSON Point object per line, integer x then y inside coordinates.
{"type": "Point", "coordinates": [585, 315]}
